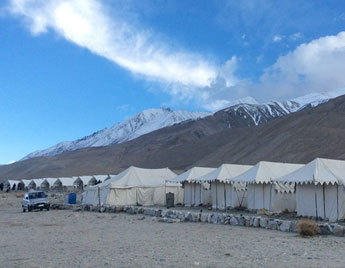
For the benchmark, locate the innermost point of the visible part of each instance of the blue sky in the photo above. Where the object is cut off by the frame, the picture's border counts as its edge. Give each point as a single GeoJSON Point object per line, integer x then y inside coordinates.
{"type": "Point", "coordinates": [69, 68]}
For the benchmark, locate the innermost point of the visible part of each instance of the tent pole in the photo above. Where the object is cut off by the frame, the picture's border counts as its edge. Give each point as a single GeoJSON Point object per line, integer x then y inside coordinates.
{"type": "Point", "coordinates": [201, 202]}
{"type": "Point", "coordinates": [324, 201]}
{"type": "Point", "coordinates": [191, 194]}
{"type": "Point", "coordinates": [216, 196]}
{"type": "Point", "coordinates": [254, 197]}
{"type": "Point", "coordinates": [337, 201]}
{"type": "Point", "coordinates": [270, 207]}
{"type": "Point", "coordinates": [165, 192]}
{"type": "Point", "coordinates": [225, 196]}
{"type": "Point", "coordinates": [317, 216]}
{"type": "Point", "coordinates": [99, 196]}
{"type": "Point", "coordinates": [263, 195]}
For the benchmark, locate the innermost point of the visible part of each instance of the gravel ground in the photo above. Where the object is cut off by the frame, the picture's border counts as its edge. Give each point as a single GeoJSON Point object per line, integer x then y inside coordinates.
{"type": "Point", "coordinates": [87, 239]}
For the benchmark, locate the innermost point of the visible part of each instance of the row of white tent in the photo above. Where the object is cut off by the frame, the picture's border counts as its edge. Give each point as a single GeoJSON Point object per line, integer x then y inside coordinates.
{"type": "Point", "coordinates": [63, 183]}
{"type": "Point", "coordinates": [315, 189]}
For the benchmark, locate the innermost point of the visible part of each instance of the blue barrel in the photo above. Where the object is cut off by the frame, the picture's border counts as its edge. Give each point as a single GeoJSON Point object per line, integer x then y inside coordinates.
{"type": "Point", "coordinates": [72, 198]}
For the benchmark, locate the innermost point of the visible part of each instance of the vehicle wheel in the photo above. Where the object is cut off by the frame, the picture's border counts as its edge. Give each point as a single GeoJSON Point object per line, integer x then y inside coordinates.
{"type": "Point", "coordinates": [24, 210]}
{"type": "Point", "coordinates": [29, 208]}
{"type": "Point", "coordinates": [48, 208]}
{"type": "Point", "coordinates": [41, 209]}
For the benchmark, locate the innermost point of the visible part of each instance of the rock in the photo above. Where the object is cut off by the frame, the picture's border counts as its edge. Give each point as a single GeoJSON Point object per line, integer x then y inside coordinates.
{"type": "Point", "coordinates": [140, 210]}
{"type": "Point", "coordinates": [256, 222]}
{"type": "Point", "coordinates": [338, 230]}
{"type": "Point", "coordinates": [272, 224]}
{"type": "Point", "coordinates": [158, 212]}
{"type": "Point", "coordinates": [204, 217]}
{"type": "Point", "coordinates": [241, 221]}
{"type": "Point", "coordinates": [189, 217]}
{"type": "Point", "coordinates": [129, 210]}
{"type": "Point", "coordinates": [234, 221]}
{"type": "Point", "coordinates": [325, 229]}
{"type": "Point", "coordinates": [263, 222]}
{"type": "Point", "coordinates": [78, 208]}
{"type": "Point", "coordinates": [285, 226]}
{"type": "Point", "coordinates": [210, 218]}
{"type": "Point", "coordinates": [293, 227]}
{"type": "Point", "coordinates": [149, 212]}
{"type": "Point", "coordinates": [118, 209]}
{"type": "Point", "coordinates": [248, 221]}
{"type": "Point", "coordinates": [197, 217]}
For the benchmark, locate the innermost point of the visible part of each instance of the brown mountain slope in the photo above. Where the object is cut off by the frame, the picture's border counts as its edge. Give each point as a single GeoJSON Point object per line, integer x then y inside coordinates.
{"type": "Point", "coordinates": [299, 137]}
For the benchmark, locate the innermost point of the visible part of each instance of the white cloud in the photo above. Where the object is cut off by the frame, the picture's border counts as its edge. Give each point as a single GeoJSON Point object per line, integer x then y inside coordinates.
{"type": "Point", "coordinates": [87, 24]}
{"type": "Point", "coordinates": [296, 36]}
{"type": "Point", "coordinates": [277, 38]}
{"type": "Point", "coordinates": [315, 66]}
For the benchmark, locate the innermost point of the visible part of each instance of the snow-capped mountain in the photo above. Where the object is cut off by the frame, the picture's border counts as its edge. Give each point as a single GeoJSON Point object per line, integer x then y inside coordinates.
{"type": "Point", "coordinates": [246, 112]}
{"type": "Point", "coordinates": [251, 113]}
{"type": "Point", "coordinates": [140, 124]}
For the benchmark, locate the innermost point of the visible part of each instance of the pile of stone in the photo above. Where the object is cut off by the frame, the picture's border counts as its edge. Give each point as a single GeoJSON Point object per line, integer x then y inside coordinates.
{"type": "Point", "coordinates": [177, 216]}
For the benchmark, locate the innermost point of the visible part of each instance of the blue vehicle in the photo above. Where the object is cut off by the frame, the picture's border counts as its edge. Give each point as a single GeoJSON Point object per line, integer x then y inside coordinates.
{"type": "Point", "coordinates": [35, 200]}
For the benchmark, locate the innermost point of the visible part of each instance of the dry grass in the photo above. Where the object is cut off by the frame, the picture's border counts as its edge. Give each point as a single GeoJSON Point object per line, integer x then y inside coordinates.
{"type": "Point", "coordinates": [306, 227]}
{"type": "Point", "coordinates": [20, 195]}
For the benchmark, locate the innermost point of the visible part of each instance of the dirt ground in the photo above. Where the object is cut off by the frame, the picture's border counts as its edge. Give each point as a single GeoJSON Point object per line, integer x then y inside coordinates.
{"type": "Point", "coordinates": [63, 238]}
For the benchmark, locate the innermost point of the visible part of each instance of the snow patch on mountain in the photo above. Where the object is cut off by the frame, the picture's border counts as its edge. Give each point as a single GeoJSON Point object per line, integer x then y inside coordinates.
{"type": "Point", "coordinates": [140, 124]}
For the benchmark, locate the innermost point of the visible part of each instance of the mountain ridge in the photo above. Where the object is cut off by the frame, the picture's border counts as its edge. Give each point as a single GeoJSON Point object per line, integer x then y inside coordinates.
{"type": "Point", "coordinates": [243, 112]}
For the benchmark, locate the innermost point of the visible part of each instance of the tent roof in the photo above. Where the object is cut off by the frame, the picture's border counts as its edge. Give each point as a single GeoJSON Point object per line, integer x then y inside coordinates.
{"type": "Point", "coordinates": [37, 181]}
{"type": "Point", "coordinates": [51, 181]}
{"type": "Point", "coordinates": [26, 182]}
{"type": "Point", "coordinates": [319, 170]}
{"type": "Point", "coordinates": [224, 173]}
{"type": "Point", "coordinates": [265, 172]}
{"type": "Point", "coordinates": [84, 179]}
{"type": "Point", "coordinates": [11, 182]}
{"type": "Point", "coordinates": [140, 177]}
{"type": "Point", "coordinates": [102, 177]}
{"type": "Point", "coordinates": [192, 174]}
{"type": "Point", "coordinates": [66, 181]}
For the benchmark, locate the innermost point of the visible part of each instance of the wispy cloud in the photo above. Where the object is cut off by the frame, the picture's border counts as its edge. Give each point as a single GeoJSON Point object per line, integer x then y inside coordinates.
{"type": "Point", "coordinates": [87, 24]}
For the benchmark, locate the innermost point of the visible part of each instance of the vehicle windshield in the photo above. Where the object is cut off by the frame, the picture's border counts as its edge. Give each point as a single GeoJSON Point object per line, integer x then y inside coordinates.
{"type": "Point", "coordinates": [37, 195]}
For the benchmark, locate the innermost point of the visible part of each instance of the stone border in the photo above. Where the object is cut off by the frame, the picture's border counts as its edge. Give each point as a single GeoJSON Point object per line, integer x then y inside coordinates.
{"type": "Point", "coordinates": [176, 216]}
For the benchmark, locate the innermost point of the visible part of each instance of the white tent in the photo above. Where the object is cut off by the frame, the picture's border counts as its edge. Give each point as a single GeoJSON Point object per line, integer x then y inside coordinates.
{"type": "Point", "coordinates": [83, 181]}
{"type": "Point", "coordinates": [224, 193]}
{"type": "Point", "coordinates": [25, 184]}
{"type": "Point", "coordinates": [64, 183]}
{"type": "Point", "coordinates": [195, 193]}
{"type": "Point", "coordinates": [35, 184]}
{"type": "Point", "coordinates": [11, 184]}
{"type": "Point", "coordinates": [134, 186]}
{"type": "Point", "coordinates": [48, 183]}
{"type": "Point", "coordinates": [320, 188]}
{"type": "Point", "coordinates": [263, 192]}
